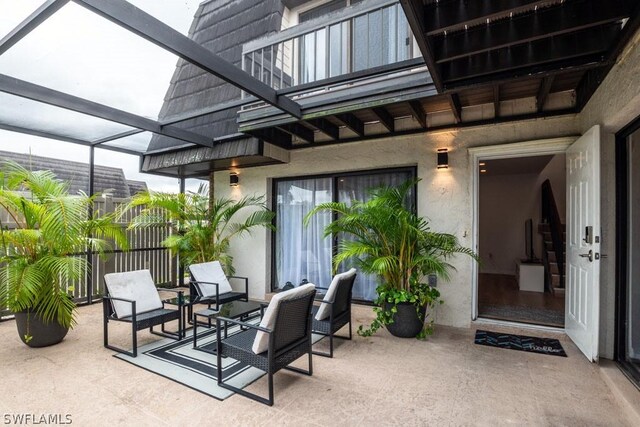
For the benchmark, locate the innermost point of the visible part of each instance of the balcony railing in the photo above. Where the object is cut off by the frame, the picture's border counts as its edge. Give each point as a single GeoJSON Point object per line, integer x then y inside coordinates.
{"type": "Point", "coordinates": [369, 35]}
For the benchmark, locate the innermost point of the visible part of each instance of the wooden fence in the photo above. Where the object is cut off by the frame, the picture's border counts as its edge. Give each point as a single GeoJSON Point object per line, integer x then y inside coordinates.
{"type": "Point", "coordinates": [145, 252]}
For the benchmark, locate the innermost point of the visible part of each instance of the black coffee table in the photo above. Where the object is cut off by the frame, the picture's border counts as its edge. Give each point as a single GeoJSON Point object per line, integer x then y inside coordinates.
{"type": "Point", "coordinates": [242, 310]}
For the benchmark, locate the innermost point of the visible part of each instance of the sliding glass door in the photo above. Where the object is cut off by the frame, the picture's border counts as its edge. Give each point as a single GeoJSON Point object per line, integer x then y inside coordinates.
{"type": "Point", "coordinates": [301, 252]}
{"type": "Point", "coordinates": [628, 251]}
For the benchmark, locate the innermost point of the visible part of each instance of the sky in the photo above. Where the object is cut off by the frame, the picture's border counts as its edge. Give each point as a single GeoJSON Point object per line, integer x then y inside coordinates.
{"type": "Point", "coordinates": [80, 53]}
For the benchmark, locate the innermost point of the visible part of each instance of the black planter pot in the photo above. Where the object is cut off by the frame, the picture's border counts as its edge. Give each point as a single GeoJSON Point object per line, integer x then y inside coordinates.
{"type": "Point", "coordinates": [43, 334]}
{"type": "Point", "coordinates": [406, 323]}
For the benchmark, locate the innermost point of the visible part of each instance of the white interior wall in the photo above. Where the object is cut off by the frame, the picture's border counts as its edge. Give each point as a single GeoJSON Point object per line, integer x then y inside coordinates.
{"type": "Point", "coordinates": [506, 202]}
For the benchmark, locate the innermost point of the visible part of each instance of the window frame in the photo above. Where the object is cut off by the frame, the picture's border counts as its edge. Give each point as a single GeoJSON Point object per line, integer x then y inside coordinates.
{"type": "Point", "coordinates": [334, 176]}
{"type": "Point", "coordinates": [622, 251]}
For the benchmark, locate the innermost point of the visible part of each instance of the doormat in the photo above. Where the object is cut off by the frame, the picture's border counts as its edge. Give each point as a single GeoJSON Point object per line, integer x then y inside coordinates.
{"type": "Point", "coordinates": [520, 342]}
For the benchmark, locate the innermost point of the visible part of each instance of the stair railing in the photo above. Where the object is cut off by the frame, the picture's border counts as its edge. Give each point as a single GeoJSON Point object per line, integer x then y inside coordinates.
{"type": "Point", "coordinates": [550, 216]}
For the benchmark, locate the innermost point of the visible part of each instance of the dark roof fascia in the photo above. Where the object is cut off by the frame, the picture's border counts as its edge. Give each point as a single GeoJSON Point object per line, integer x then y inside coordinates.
{"type": "Point", "coordinates": [390, 91]}
{"type": "Point", "coordinates": [219, 140]}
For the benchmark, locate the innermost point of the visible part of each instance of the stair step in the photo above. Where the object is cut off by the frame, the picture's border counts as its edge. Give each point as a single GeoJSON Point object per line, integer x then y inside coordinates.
{"type": "Point", "coordinates": [558, 291]}
{"type": "Point", "coordinates": [553, 267]}
{"type": "Point", "coordinates": [555, 281]}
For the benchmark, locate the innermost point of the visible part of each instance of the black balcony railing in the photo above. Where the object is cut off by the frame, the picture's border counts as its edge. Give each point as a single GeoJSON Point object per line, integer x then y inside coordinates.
{"type": "Point", "coordinates": [368, 35]}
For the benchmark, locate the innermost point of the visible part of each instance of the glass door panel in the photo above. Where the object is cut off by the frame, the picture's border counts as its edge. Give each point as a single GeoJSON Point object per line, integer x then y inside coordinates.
{"type": "Point", "coordinates": [358, 187]}
{"type": "Point", "coordinates": [633, 247]}
{"type": "Point", "coordinates": [302, 252]}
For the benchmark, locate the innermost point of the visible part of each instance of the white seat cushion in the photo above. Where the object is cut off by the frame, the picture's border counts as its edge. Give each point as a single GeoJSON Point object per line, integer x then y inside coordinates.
{"type": "Point", "coordinates": [261, 342]}
{"type": "Point", "coordinates": [210, 272]}
{"type": "Point", "coordinates": [137, 286]}
{"type": "Point", "coordinates": [325, 309]}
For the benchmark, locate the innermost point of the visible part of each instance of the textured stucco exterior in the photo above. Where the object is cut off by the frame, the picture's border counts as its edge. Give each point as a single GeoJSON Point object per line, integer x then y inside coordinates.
{"type": "Point", "coordinates": [614, 105]}
{"type": "Point", "coordinates": [445, 197]}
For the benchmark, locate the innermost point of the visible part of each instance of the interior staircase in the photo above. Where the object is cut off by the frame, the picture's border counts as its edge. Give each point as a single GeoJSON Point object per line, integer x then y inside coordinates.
{"type": "Point", "coordinates": [553, 278]}
{"type": "Point", "coordinates": [554, 235]}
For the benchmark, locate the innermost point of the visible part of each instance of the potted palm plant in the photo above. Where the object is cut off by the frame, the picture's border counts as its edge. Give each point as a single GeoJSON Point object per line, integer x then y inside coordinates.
{"type": "Point", "coordinates": [202, 228]}
{"type": "Point", "coordinates": [387, 238]}
{"type": "Point", "coordinates": [43, 241]}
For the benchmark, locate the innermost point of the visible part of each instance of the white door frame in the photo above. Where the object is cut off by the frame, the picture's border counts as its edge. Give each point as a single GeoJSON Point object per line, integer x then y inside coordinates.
{"type": "Point", "coordinates": [539, 147]}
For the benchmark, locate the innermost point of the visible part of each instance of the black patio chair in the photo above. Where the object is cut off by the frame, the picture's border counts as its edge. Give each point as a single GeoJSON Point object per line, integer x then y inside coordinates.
{"type": "Point", "coordinates": [212, 287]}
{"type": "Point", "coordinates": [287, 325]}
{"type": "Point", "coordinates": [132, 297]}
{"type": "Point", "coordinates": [335, 311]}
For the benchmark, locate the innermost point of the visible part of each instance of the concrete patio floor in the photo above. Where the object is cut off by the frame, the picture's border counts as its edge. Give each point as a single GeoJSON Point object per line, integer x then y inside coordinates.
{"type": "Point", "coordinates": [383, 380]}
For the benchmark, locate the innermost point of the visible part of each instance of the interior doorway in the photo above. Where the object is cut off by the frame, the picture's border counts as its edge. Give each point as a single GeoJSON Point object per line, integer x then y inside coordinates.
{"type": "Point", "coordinates": [521, 239]}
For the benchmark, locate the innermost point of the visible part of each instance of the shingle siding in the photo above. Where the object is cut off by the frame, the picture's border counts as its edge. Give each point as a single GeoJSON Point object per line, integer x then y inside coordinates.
{"type": "Point", "coordinates": [76, 173]}
{"type": "Point", "coordinates": [222, 26]}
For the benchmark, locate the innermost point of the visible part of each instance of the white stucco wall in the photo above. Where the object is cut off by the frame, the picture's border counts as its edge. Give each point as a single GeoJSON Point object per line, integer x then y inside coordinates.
{"type": "Point", "coordinates": [444, 196]}
{"type": "Point", "coordinates": [614, 105]}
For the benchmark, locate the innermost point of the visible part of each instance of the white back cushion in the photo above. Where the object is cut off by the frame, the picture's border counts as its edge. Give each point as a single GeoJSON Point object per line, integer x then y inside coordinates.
{"type": "Point", "coordinates": [137, 286]}
{"type": "Point", "coordinates": [325, 309]}
{"type": "Point", "coordinates": [210, 272]}
{"type": "Point", "coordinates": [261, 342]}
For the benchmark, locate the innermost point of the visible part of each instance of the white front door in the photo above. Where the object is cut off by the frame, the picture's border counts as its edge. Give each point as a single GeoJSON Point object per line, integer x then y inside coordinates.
{"type": "Point", "coordinates": [582, 298]}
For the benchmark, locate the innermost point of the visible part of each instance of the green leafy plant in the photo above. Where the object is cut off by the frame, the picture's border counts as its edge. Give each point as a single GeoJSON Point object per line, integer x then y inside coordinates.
{"type": "Point", "coordinates": [388, 239]}
{"type": "Point", "coordinates": [202, 230]}
{"type": "Point", "coordinates": [39, 245]}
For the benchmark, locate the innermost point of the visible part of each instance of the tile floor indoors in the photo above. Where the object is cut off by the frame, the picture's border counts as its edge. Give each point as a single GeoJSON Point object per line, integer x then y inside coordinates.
{"type": "Point", "coordinates": [377, 381]}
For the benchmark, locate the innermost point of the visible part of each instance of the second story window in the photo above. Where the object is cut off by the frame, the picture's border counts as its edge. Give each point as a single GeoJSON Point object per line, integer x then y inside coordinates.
{"type": "Point", "coordinates": [321, 10]}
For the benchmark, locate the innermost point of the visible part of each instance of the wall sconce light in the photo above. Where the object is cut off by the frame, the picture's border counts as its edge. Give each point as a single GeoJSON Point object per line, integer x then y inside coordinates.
{"type": "Point", "coordinates": [443, 158]}
{"type": "Point", "coordinates": [234, 180]}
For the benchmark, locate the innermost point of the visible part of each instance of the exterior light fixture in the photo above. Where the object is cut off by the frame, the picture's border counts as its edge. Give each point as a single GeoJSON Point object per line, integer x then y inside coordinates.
{"type": "Point", "coordinates": [443, 158]}
{"type": "Point", "coordinates": [234, 180]}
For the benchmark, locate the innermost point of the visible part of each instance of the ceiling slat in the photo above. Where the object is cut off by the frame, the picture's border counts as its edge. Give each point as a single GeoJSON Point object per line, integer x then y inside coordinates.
{"type": "Point", "coordinates": [569, 17]}
{"type": "Point", "coordinates": [556, 50]}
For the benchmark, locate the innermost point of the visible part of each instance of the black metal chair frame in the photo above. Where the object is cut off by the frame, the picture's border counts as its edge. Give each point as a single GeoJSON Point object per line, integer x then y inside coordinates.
{"type": "Point", "coordinates": [335, 322]}
{"type": "Point", "coordinates": [234, 296]}
{"type": "Point", "coordinates": [274, 358]}
{"type": "Point", "coordinates": [144, 320]}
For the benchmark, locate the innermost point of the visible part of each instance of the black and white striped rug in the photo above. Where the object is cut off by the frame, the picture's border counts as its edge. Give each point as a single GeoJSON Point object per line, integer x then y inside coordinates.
{"type": "Point", "coordinates": [196, 369]}
{"type": "Point", "coordinates": [550, 346]}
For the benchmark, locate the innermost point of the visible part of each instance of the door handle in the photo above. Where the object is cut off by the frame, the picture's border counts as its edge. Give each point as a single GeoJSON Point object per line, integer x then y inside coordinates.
{"type": "Point", "coordinates": [589, 255]}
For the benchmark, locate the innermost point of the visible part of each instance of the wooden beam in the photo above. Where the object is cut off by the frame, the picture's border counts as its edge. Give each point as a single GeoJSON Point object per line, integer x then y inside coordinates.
{"type": "Point", "coordinates": [418, 113]}
{"type": "Point", "coordinates": [40, 15]}
{"type": "Point", "coordinates": [326, 127]}
{"type": "Point", "coordinates": [415, 13]}
{"type": "Point", "coordinates": [385, 118]}
{"type": "Point", "coordinates": [543, 92]}
{"type": "Point", "coordinates": [298, 130]}
{"type": "Point", "coordinates": [157, 32]}
{"type": "Point", "coordinates": [585, 44]}
{"type": "Point", "coordinates": [351, 122]}
{"type": "Point", "coordinates": [273, 136]}
{"type": "Point", "coordinates": [448, 16]}
{"type": "Point", "coordinates": [496, 100]}
{"type": "Point", "coordinates": [456, 106]}
{"type": "Point", "coordinates": [475, 123]}
{"type": "Point", "coordinates": [545, 23]}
